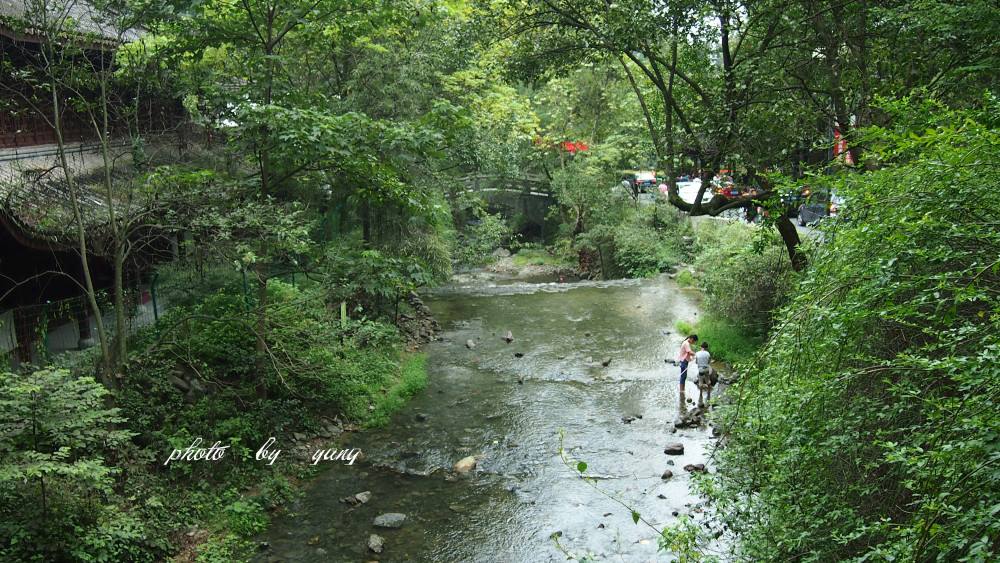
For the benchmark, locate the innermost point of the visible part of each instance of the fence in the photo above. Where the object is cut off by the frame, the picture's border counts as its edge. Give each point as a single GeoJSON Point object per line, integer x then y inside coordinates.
{"type": "Point", "coordinates": [38, 333]}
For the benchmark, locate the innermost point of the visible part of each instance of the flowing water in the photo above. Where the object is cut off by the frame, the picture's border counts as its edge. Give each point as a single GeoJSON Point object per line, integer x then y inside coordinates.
{"type": "Point", "coordinates": [507, 404]}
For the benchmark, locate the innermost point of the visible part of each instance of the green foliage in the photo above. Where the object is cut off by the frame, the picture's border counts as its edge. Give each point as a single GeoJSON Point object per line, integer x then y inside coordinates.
{"type": "Point", "coordinates": [868, 430]}
{"type": "Point", "coordinates": [639, 251]}
{"type": "Point", "coordinates": [683, 540]}
{"type": "Point", "coordinates": [182, 284]}
{"type": "Point", "coordinates": [370, 281]}
{"type": "Point", "coordinates": [537, 256]}
{"type": "Point", "coordinates": [729, 342]}
{"type": "Point", "coordinates": [244, 517]}
{"type": "Point", "coordinates": [486, 235]}
{"type": "Point", "coordinates": [55, 437]}
{"type": "Point", "coordinates": [684, 327]}
{"type": "Point", "coordinates": [744, 272]}
{"type": "Point", "coordinates": [686, 279]}
{"type": "Point", "coordinates": [222, 548]}
{"type": "Point", "coordinates": [635, 247]}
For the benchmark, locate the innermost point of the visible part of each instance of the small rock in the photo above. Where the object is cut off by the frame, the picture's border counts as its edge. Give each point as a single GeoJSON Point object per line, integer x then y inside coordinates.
{"type": "Point", "coordinates": [466, 464]}
{"type": "Point", "coordinates": [389, 520]}
{"type": "Point", "coordinates": [470, 344]}
{"type": "Point", "coordinates": [376, 543]}
{"type": "Point", "coordinates": [299, 437]}
{"type": "Point", "coordinates": [364, 497]}
{"type": "Point", "coordinates": [667, 474]}
{"type": "Point", "coordinates": [695, 468]}
{"type": "Point", "coordinates": [421, 416]}
{"type": "Point", "coordinates": [675, 448]}
{"type": "Point", "coordinates": [605, 362]}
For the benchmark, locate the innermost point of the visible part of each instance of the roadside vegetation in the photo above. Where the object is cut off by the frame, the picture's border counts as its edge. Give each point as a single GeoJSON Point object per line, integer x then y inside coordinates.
{"type": "Point", "coordinates": [746, 277]}
{"type": "Point", "coordinates": [865, 429]}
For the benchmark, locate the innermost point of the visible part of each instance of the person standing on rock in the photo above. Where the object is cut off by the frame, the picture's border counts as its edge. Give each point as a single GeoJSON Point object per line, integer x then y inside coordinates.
{"type": "Point", "coordinates": [704, 362]}
{"type": "Point", "coordinates": [687, 354]}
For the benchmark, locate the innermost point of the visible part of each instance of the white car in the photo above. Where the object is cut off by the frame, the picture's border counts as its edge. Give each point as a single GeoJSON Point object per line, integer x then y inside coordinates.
{"type": "Point", "coordinates": [689, 190]}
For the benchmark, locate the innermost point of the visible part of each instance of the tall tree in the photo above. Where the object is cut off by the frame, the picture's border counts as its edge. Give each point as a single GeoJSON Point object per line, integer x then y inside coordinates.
{"type": "Point", "coordinates": [287, 70]}
{"type": "Point", "coordinates": [70, 76]}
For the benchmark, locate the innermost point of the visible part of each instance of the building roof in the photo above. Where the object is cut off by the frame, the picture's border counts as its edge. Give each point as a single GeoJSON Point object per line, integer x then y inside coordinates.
{"type": "Point", "coordinates": [35, 203]}
{"type": "Point", "coordinates": [34, 20]}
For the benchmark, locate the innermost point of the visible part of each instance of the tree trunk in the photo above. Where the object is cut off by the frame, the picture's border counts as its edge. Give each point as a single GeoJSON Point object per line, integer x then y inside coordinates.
{"type": "Point", "coordinates": [790, 236]}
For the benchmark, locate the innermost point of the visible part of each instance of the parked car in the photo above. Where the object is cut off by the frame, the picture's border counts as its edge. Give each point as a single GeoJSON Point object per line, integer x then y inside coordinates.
{"type": "Point", "coordinates": [817, 205]}
{"type": "Point", "coordinates": [729, 190]}
{"type": "Point", "coordinates": [689, 190]}
{"type": "Point", "coordinates": [645, 182]}
{"type": "Point", "coordinates": [790, 202]}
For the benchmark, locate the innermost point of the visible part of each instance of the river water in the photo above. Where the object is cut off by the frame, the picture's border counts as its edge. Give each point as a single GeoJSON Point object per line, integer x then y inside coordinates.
{"type": "Point", "coordinates": [508, 404]}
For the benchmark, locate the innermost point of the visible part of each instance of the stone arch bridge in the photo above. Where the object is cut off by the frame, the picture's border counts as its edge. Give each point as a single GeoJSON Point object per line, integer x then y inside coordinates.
{"type": "Point", "coordinates": [527, 194]}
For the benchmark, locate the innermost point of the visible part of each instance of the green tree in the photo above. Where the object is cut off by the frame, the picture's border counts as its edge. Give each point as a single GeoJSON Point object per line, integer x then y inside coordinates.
{"type": "Point", "coordinates": [55, 436]}
{"type": "Point", "coordinates": [77, 77]}
{"type": "Point", "coordinates": [294, 144]}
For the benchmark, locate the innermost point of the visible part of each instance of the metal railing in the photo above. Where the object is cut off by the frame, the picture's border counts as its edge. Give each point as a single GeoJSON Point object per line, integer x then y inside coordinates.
{"type": "Point", "coordinates": [39, 333]}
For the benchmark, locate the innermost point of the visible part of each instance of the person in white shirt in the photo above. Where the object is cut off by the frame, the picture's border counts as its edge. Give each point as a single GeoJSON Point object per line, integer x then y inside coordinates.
{"type": "Point", "coordinates": [703, 359]}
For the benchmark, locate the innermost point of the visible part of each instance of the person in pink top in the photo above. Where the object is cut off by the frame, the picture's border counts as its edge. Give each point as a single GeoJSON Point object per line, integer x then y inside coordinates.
{"type": "Point", "coordinates": [687, 354]}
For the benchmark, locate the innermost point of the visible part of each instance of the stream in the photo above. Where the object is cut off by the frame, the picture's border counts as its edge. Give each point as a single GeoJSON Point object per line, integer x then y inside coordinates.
{"type": "Point", "coordinates": [512, 405]}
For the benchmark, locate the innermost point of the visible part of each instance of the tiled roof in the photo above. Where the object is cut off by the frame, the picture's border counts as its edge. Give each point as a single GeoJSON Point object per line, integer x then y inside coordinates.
{"type": "Point", "coordinates": [73, 17]}
{"type": "Point", "coordinates": [35, 198]}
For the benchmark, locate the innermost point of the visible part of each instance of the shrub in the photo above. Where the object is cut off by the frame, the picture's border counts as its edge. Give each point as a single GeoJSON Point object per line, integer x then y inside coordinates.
{"type": "Point", "coordinates": [641, 252]}
{"type": "Point", "coordinates": [483, 237]}
{"type": "Point", "coordinates": [55, 436]}
{"type": "Point", "coordinates": [745, 273]}
{"type": "Point", "coordinates": [686, 279]}
{"type": "Point", "coordinates": [870, 431]}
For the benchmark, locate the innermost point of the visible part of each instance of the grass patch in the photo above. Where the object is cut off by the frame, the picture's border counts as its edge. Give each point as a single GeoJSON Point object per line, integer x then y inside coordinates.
{"type": "Point", "coordinates": [684, 328]}
{"type": "Point", "coordinates": [685, 278]}
{"type": "Point", "coordinates": [537, 257]}
{"type": "Point", "coordinates": [727, 342]}
{"type": "Point", "coordinates": [411, 380]}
